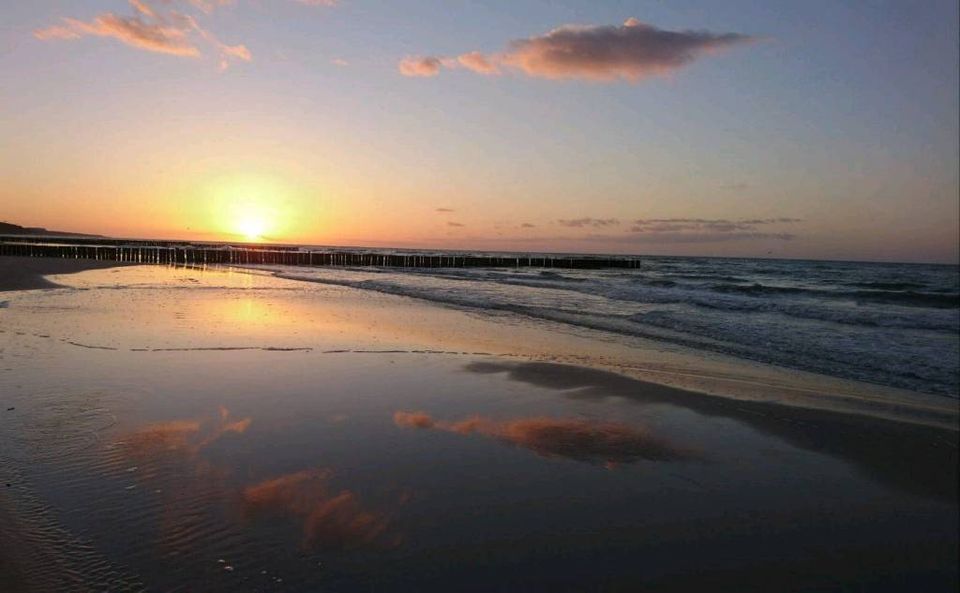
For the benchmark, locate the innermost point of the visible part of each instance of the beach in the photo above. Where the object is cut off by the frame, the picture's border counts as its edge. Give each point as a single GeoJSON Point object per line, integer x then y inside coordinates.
{"type": "Point", "coordinates": [29, 273]}
{"type": "Point", "coordinates": [169, 428]}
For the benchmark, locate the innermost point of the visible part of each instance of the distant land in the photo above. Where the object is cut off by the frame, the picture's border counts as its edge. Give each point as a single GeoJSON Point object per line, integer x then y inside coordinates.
{"type": "Point", "coordinates": [7, 228]}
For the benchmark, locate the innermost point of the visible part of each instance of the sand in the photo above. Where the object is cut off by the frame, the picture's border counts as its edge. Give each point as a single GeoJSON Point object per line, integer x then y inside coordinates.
{"type": "Point", "coordinates": [179, 429]}
{"type": "Point", "coordinates": [28, 273]}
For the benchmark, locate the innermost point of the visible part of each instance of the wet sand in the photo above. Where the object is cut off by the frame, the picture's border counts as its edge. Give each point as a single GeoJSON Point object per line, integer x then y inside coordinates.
{"type": "Point", "coordinates": [28, 273]}
{"type": "Point", "coordinates": [181, 430]}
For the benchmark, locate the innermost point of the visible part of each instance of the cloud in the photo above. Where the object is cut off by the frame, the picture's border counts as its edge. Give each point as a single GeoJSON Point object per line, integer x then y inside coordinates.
{"type": "Point", "coordinates": [444, 210]}
{"type": "Point", "coordinates": [208, 6]}
{"type": "Point", "coordinates": [577, 439]}
{"type": "Point", "coordinates": [319, 2]}
{"type": "Point", "coordinates": [701, 230]}
{"type": "Point", "coordinates": [527, 225]}
{"type": "Point", "coordinates": [630, 52]}
{"type": "Point", "coordinates": [339, 62]}
{"type": "Point", "coordinates": [735, 186]}
{"type": "Point", "coordinates": [587, 222]}
{"type": "Point", "coordinates": [332, 520]}
{"type": "Point", "coordinates": [130, 30]}
{"type": "Point", "coordinates": [454, 224]}
{"type": "Point", "coordinates": [420, 66]}
{"type": "Point", "coordinates": [744, 226]}
{"type": "Point", "coordinates": [691, 237]}
{"type": "Point", "coordinates": [478, 63]}
{"type": "Point", "coordinates": [152, 29]}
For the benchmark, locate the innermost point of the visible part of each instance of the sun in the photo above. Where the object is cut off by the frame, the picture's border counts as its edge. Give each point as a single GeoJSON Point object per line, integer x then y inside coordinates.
{"type": "Point", "coordinates": [252, 228]}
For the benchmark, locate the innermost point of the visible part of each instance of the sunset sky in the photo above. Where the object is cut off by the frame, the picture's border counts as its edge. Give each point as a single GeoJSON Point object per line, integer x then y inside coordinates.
{"type": "Point", "coordinates": [750, 128]}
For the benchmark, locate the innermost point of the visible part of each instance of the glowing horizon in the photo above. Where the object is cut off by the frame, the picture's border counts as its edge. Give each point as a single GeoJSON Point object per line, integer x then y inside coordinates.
{"type": "Point", "coordinates": [715, 131]}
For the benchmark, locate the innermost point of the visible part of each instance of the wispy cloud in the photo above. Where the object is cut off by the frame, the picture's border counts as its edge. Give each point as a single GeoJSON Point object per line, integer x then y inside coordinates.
{"type": "Point", "coordinates": [208, 6]}
{"type": "Point", "coordinates": [735, 186]}
{"type": "Point", "coordinates": [632, 52]}
{"type": "Point", "coordinates": [479, 63]}
{"type": "Point", "coordinates": [423, 66]}
{"type": "Point", "coordinates": [153, 28]}
{"type": "Point", "coordinates": [661, 237]}
{"type": "Point", "coordinates": [588, 222]}
{"type": "Point", "coordinates": [455, 224]}
{"type": "Point", "coordinates": [720, 225]}
{"type": "Point", "coordinates": [444, 210]}
{"type": "Point", "coordinates": [707, 230]}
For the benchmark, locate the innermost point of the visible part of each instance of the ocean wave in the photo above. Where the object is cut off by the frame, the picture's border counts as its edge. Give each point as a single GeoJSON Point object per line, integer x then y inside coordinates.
{"type": "Point", "coordinates": [850, 353]}
{"type": "Point", "coordinates": [887, 285]}
{"type": "Point", "coordinates": [911, 298]}
{"type": "Point", "coordinates": [665, 292]}
{"type": "Point", "coordinates": [557, 276]}
{"type": "Point", "coordinates": [756, 289]}
{"type": "Point", "coordinates": [907, 298]}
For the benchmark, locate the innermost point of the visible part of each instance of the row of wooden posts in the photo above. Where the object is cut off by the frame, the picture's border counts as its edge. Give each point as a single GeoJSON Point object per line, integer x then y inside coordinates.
{"type": "Point", "coordinates": [246, 255]}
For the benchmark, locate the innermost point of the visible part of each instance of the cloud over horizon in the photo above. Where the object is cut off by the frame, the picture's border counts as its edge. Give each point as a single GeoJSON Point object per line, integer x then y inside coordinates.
{"type": "Point", "coordinates": [629, 52]}
{"type": "Point", "coordinates": [704, 230]}
{"type": "Point", "coordinates": [587, 222]}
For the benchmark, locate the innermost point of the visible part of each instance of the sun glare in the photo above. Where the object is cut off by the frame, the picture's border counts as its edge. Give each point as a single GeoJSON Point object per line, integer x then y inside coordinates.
{"type": "Point", "coordinates": [251, 228]}
{"type": "Point", "coordinates": [252, 207]}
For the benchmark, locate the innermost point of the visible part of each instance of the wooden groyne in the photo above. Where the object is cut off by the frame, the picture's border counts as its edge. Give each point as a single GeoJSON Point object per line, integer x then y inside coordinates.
{"type": "Point", "coordinates": [179, 253]}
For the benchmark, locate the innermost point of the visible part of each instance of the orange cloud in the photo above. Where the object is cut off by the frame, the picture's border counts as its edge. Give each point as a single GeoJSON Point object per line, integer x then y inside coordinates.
{"type": "Point", "coordinates": [578, 439]}
{"type": "Point", "coordinates": [151, 29]}
{"type": "Point", "coordinates": [331, 520]}
{"type": "Point", "coordinates": [479, 63]}
{"type": "Point", "coordinates": [632, 51]}
{"type": "Point", "coordinates": [130, 30]}
{"type": "Point", "coordinates": [208, 6]}
{"type": "Point", "coordinates": [420, 66]}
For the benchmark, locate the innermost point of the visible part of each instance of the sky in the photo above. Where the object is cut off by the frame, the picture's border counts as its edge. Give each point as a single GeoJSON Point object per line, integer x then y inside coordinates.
{"type": "Point", "coordinates": [770, 128]}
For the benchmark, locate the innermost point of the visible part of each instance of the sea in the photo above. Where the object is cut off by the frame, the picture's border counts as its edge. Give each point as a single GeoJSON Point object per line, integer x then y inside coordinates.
{"type": "Point", "coordinates": [891, 324]}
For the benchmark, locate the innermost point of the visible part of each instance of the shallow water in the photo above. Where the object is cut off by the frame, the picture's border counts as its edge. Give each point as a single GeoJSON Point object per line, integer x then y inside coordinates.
{"type": "Point", "coordinates": [891, 324]}
{"type": "Point", "coordinates": [175, 430]}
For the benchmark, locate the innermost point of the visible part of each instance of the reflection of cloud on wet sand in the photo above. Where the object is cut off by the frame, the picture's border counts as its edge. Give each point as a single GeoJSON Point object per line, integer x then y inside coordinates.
{"type": "Point", "coordinates": [570, 438]}
{"type": "Point", "coordinates": [332, 520]}
{"type": "Point", "coordinates": [167, 459]}
{"type": "Point", "coordinates": [906, 456]}
{"type": "Point", "coordinates": [183, 436]}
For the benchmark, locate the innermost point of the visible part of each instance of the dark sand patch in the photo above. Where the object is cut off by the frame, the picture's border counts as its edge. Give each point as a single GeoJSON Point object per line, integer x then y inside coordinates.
{"type": "Point", "coordinates": [27, 273]}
